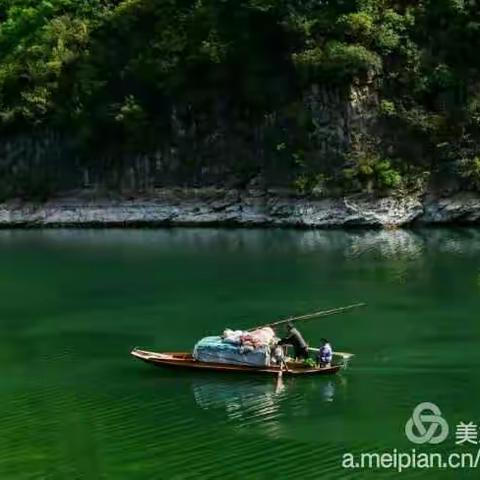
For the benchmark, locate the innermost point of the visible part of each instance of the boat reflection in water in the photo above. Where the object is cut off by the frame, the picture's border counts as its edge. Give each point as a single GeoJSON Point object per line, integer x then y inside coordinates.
{"type": "Point", "coordinates": [235, 395]}
{"type": "Point", "coordinates": [265, 402]}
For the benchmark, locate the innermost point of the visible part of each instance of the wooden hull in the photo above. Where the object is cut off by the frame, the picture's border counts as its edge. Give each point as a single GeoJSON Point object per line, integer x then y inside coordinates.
{"type": "Point", "coordinates": [186, 361]}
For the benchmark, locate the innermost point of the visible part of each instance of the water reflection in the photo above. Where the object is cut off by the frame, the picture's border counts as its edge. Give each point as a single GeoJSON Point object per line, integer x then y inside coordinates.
{"type": "Point", "coordinates": [386, 244]}
{"type": "Point", "coordinates": [244, 399]}
{"type": "Point", "coordinates": [235, 396]}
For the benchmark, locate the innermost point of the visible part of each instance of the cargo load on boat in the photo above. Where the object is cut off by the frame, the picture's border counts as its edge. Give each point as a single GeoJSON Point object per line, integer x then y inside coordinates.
{"type": "Point", "coordinates": [237, 347]}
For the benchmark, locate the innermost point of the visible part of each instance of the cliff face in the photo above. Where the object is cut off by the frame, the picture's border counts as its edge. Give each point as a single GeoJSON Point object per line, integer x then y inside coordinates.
{"type": "Point", "coordinates": [214, 149]}
{"type": "Point", "coordinates": [193, 176]}
{"type": "Point", "coordinates": [327, 99]}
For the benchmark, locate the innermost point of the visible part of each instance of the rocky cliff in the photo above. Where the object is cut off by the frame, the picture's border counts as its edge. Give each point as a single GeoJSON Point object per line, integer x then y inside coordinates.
{"type": "Point", "coordinates": [193, 179]}
{"type": "Point", "coordinates": [197, 148]}
{"type": "Point", "coordinates": [246, 208]}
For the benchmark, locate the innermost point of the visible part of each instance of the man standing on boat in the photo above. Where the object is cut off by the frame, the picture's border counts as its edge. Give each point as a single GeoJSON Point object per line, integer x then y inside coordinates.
{"type": "Point", "coordinates": [295, 339]}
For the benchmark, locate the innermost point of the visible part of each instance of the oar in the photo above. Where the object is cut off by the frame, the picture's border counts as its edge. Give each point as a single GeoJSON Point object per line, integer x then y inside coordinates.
{"type": "Point", "coordinates": [279, 384]}
{"type": "Point", "coordinates": [309, 316]}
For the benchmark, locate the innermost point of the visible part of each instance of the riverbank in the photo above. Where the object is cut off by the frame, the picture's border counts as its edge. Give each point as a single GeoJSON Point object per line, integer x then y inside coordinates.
{"type": "Point", "coordinates": [272, 208]}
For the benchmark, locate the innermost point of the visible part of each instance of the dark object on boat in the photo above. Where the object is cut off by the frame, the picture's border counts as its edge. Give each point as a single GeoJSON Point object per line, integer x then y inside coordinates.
{"type": "Point", "coordinates": [186, 361]}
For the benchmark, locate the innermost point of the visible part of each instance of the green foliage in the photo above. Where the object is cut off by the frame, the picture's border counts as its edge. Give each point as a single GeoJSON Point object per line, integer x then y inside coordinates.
{"type": "Point", "coordinates": [369, 172]}
{"type": "Point", "coordinates": [359, 25]}
{"type": "Point", "coordinates": [72, 62]}
{"type": "Point", "coordinates": [442, 77]}
{"type": "Point", "coordinates": [351, 60]}
{"type": "Point", "coordinates": [307, 183]}
{"type": "Point", "coordinates": [470, 170]}
{"type": "Point", "coordinates": [387, 108]}
{"type": "Point", "coordinates": [309, 363]}
{"type": "Point", "coordinates": [337, 62]}
{"type": "Point", "coordinates": [114, 74]}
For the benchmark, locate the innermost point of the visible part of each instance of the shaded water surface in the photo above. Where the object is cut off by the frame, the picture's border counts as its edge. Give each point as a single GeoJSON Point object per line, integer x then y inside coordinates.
{"type": "Point", "coordinates": [73, 303]}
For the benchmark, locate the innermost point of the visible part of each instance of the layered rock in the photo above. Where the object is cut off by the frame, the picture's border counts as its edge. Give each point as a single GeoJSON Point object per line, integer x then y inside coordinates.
{"type": "Point", "coordinates": [240, 208]}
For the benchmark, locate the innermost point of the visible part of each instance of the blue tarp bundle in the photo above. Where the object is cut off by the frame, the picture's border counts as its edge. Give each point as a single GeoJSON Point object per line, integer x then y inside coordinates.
{"type": "Point", "coordinates": [216, 350]}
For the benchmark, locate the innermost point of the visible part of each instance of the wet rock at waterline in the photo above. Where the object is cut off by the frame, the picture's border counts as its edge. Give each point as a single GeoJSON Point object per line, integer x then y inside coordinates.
{"type": "Point", "coordinates": [241, 208]}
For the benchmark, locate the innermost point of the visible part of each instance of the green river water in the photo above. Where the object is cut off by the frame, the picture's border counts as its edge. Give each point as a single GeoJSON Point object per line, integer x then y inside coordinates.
{"type": "Point", "coordinates": [75, 405]}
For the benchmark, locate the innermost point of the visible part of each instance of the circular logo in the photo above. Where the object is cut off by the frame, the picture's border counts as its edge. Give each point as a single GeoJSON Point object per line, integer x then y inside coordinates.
{"type": "Point", "coordinates": [426, 425]}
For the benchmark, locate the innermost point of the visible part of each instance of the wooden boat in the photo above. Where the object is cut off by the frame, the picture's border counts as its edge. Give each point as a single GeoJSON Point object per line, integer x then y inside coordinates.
{"type": "Point", "coordinates": [186, 361]}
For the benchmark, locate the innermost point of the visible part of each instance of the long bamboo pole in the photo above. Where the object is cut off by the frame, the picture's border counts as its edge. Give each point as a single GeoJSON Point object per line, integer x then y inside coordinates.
{"type": "Point", "coordinates": [309, 316]}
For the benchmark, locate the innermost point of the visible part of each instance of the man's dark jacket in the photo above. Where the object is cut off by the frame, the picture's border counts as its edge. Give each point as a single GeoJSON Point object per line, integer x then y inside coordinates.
{"type": "Point", "coordinates": [295, 339]}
